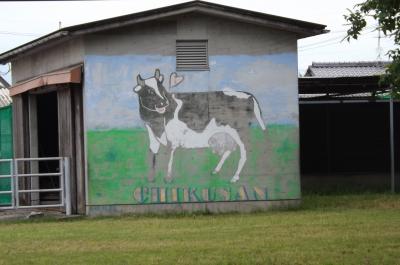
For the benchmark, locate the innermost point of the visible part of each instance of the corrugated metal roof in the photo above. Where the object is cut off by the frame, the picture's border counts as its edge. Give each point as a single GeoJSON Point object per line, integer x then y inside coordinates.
{"type": "Point", "coordinates": [341, 88]}
{"type": "Point", "coordinates": [316, 96]}
{"type": "Point", "coordinates": [346, 69]}
{"type": "Point", "coordinates": [67, 75]}
{"type": "Point", "coordinates": [5, 98]}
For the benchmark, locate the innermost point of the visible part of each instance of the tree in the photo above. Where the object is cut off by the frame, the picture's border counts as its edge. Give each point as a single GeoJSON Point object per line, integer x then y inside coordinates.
{"type": "Point", "coordinates": [387, 14]}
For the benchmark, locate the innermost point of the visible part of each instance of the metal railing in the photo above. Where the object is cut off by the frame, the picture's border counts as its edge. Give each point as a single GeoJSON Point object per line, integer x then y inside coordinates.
{"type": "Point", "coordinates": [18, 171]}
{"type": "Point", "coordinates": [11, 179]}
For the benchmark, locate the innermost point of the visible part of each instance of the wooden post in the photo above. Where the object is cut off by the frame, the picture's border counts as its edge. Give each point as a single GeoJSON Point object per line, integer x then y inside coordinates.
{"type": "Point", "coordinates": [21, 138]}
{"type": "Point", "coordinates": [33, 147]}
{"type": "Point", "coordinates": [392, 173]}
{"type": "Point", "coordinates": [66, 136]}
{"type": "Point", "coordinates": [79, 147]}
{"type": "Point", "coordinates": [328, 137]}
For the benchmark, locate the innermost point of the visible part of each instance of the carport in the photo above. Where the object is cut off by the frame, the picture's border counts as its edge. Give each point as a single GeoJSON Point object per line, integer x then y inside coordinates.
{"type": "Point", "coordinates": [347, 129]}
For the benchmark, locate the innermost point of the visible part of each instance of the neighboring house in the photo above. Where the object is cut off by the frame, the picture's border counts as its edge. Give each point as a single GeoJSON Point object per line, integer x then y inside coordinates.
{"type": "Point", "coordinates": [3, 83]}
{"type": "Point", "coordinates": [345, 126]}
{"type": "Point", "coordinates": [346, 69]}
{"type": "Point", "coordinates": [5, 99]}
{"type": "Point", "coordinates": [191, 107]}
{"type": "Point", "coordinates": [342, 80]}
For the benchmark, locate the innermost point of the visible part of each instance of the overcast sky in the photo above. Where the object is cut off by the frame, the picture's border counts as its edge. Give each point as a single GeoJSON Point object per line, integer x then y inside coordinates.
{"type": "Point", "coordinates": [21, 22]}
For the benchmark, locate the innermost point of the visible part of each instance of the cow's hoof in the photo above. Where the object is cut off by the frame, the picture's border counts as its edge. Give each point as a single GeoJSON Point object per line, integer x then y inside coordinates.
{"type": "Point", "coordinates": [168, 179]}
{"type": "Point", "coordinates": [214, 172]}
{"type": "Point", "coordinates": [234, 179]}
{"type": "Point", "coordinates": [150, 179]}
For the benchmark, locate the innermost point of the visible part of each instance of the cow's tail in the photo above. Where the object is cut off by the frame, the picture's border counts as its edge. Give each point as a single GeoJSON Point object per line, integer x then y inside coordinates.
{"type": "Point", "coordinates": [257, 112]}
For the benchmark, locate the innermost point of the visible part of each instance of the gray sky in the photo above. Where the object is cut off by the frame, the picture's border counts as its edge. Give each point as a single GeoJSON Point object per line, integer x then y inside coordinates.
{"type": "Point", "coordinates": [21, 22]}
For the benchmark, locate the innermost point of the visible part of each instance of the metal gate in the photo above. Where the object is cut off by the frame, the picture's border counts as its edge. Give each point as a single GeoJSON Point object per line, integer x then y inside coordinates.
{"type": "Point", "coordinates": [24, 179]}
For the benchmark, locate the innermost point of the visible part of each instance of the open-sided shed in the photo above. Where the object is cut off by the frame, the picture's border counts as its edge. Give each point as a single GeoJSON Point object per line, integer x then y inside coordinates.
{"type": "Point", "coordinates": [348, 123]}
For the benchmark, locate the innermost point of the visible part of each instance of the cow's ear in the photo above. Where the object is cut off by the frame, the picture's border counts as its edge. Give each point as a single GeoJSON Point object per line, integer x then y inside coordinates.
{"type": "Point", "coordinates": [137, 88]}
{"type": "Point", "coordinates": [158, 75]}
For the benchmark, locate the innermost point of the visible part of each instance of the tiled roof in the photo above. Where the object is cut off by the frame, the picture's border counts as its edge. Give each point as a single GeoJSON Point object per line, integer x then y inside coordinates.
{"type": "Point", "coordinates": [5, 98]}
{"type": "Point", "coordinates": [346, 69]}
{"type": "Point", "coordinates": [3, 82]}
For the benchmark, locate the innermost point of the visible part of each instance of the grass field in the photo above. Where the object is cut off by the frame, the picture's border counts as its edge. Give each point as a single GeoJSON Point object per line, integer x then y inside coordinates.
{"type": "Point", "coordinates": [345, 229]}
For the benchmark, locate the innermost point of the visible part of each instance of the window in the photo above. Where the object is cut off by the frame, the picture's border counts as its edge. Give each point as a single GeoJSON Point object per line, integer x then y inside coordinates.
{"type": "Point", "coordinates": [191, 55]}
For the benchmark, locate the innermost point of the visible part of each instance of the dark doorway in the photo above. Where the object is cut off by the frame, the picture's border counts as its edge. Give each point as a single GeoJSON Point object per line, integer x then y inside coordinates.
{"type": "Point", "coordinates": [47, 132]}
{"type": "Point", "coordinates": [345, 146]}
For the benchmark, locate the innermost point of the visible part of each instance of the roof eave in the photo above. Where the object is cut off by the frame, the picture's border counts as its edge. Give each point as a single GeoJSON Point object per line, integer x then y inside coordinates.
{"type": "Point", "coordinates": [301, 28]}
{"type": "Point", "coordinates": [307, 30]}
{"type": "Point", "coordinates": [11, 54]}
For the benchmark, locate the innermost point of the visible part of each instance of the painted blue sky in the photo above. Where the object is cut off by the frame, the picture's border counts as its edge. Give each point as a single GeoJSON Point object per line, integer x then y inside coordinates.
{"type": "Point", "coordinates": [111, 102]}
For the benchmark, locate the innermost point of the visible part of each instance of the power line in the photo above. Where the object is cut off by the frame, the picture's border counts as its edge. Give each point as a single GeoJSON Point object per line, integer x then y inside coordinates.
{"type": "Point", "coordinates": [306, 46]}
{"type": "Point", "coordinates": [19, 34]}
{"type": "Point", "coordinates": [317, 47]}
{"type": "Point", "coordinates": [325, 43]}
{"type": "Point", "coordinates": [321, 42]}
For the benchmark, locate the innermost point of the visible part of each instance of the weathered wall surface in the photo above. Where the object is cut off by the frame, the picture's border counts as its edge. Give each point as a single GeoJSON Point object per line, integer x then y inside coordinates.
{"type": "Point", "coordinates": [204, 140]}
{"type": "Point", "coordinates": [48, 59]}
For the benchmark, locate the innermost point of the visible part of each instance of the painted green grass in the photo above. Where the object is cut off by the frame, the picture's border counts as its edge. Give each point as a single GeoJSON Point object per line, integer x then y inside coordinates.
{"type": "Point", "coordinates": [353, 229]}
{"type": "Point", "coordinates": [119, 162]}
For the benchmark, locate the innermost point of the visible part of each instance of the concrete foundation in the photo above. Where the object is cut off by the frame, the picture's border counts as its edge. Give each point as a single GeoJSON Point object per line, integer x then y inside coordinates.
{"type": "Point", "coordinates": [211, 207]}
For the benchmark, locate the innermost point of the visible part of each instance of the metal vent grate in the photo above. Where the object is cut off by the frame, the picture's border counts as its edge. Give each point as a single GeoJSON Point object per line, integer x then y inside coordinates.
{"type": "Point", "coordinates": [191, 55]}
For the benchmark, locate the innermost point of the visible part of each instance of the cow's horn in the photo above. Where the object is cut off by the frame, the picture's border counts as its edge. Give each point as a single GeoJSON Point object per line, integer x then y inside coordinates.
{"type": "Point", "coordinates": [140, 81]}
{"type": "Point", "coordinates": [157, 74]}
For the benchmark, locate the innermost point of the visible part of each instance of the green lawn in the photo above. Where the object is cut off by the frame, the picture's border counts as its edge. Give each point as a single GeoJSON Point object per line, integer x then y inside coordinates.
{"type": "Point", "coordinates": [345, 229]}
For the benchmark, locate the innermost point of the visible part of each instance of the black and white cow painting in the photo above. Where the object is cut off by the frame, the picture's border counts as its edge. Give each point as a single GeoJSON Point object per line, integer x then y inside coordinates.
{"type": "Point", "coordinates": [195, 120]}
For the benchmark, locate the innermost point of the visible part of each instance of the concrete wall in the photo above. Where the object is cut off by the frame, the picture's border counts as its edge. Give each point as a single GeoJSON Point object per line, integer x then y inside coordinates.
{"type": "Point", "coordinates": [48, 59]}
{"type": "Point", "coordinates": [246, 102]}
{"type": "Point", "coordinates": [128, 164]}
{"type": "Point", "coordinates": [224, 36]}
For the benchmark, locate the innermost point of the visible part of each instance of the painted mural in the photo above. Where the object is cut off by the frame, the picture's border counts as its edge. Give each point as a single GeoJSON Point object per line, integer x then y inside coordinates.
{"type": "Point", "coordinates": [171, 120]}
{"type": "Point", "coordinates": [227, 134]}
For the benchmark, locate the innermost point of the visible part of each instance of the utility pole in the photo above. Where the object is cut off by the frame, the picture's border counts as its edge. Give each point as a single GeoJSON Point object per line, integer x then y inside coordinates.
{"type": "Point", "coordinates": [379, 48]}
{"type": "Point", "coordinates": [392, 170]}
